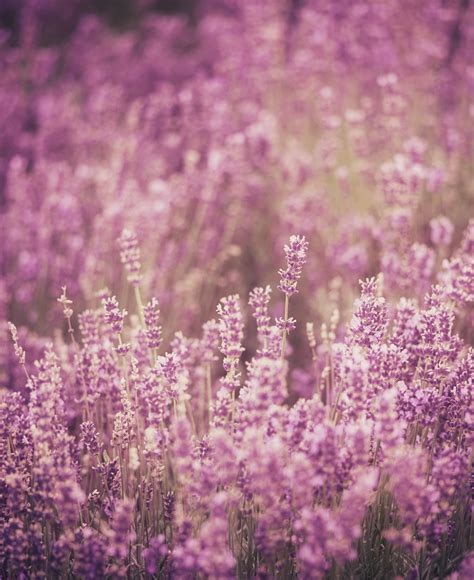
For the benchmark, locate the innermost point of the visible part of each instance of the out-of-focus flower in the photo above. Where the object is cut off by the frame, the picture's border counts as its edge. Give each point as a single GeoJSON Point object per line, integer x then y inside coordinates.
{"type": "Point", "coordinates": [441, 231]}
{"type": "Point", "coordinates": [130, 256]}
{"type": "Point", "coordinates": [231, 330]}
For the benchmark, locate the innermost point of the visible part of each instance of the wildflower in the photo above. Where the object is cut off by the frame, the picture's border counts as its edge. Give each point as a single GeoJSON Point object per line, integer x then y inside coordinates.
{"type": "Point", "coordinates": [265, 385]}
{"type": "Point", "coordinates": [210, 340]}
{"type": "Point", "coordinates": [130, 256]}
{"type": "Point", "coordinates": [295, 253]}
{"type": "Point", "coordinates": [155, 553]}
{"type": "Point", "coordinates": [121, 534]}
{"type": "Point", "coordinates": [441, 231]}
{"type": "Point", "coordinates": [90, 438]}
{"type": "Point", "coordinates": [114, 317]}
{"type": "Point", "coordinates": [310, 335]}
{"type": "Point", "coordinates": [258, 300]}
{"type": "Point", "coordinates": [153, 331]}
{"type": "Point", "coordinates": [285, 326]}
{"type": "Point", "coordinates": [65, 302]}
{"type": "Point", "coordinates": [369, 322]}
{"type": "Point", "coordinates": [19, 351]}
{"type": "Point", "coordinates": [231, 331]}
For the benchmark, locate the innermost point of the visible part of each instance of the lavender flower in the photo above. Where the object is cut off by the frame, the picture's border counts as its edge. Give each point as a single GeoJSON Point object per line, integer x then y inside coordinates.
{"type": "Point", "coordinates": [114, 317]}
{"type": "Point", "coordinates": [155, 553]}
{"type": "Point", "coordinates": [90, 438]}
{"type": "Point", "coordinates": [231, 331]}
{"type": "Point", "coordinates": [441, 231]}
{"type": "Point", "coordinates": [265, 386]}
{"type": "Point", "coordinates": [369, 322]}
{"type": "Point", "coordinates": [130, 256]}
{"type": "Point", "coordinates": [210, 340]}
{"type": "Point", "coordinates": [91, 555]}
{"type": "Point", "coordinates": [19, 351]}
{"type": "Point", "coordinates": [259, 299]}
{"type": "Point", "coordinates": [151, 314]}
{"type": "Point", "coordinates": [295, 253]}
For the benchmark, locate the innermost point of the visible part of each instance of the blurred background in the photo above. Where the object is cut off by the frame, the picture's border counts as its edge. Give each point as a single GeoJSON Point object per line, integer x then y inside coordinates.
{"type": "Point", "coordinates": [58, 19]}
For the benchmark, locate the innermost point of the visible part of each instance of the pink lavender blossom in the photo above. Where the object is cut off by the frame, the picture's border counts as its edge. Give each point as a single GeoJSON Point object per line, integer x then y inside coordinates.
{"type": "Point", "coordinates": [259, 299]}
{"type": "Point", "coordinates": [441, 231]}
{"type": "Point", "coordinates": [151, 314]}
{"type": "Point", "coordinates": [295, 253]}
{"type": "Point", "coordinates": [130, 256]}
{"type": "Point", "coordinates": [231, 331]}
{"type": "Point", "coordinates": [155, 553]}
{"type": "Point", "coordinates": [114, 317]}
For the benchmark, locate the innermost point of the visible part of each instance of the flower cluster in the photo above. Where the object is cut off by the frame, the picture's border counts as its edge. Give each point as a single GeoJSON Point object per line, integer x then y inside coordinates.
{"type": "Point", "coordinates": [130, 256]}
{"type": "Point", "coordinates": [151, 313]}
{"type": "Point", "coordinates": [114, 317]}
{"type": "Point", "coordinates": [231, 330]}
{"type": "Point", "coordinates": [327, 435]}
{"type": "Point", "coordinates": [160, 488]}
{"type": "Point", "coordinates": [295, 253]}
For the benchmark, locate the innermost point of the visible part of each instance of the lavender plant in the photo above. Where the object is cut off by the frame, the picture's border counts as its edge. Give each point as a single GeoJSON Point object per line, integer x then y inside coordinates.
{"type": "Point", "coordinates": [278, 383]}
{"type": "Point", "coordinates": [368, 476]}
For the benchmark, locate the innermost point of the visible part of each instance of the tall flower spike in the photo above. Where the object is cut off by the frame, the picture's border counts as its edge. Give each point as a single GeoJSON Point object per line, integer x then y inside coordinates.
{"type": "Point", "coordinates": [231, 329]}
{"type": "Point", "coordinates": [130, 256]}
{"type": "Point", "coordinates": [114, 317]}
{"type": "Point", "coordinates": [295, 253]}
{"type": "Point", "coordinates": [210, 341]}
{"type": "Point", "coordinates": [295, 257]}
{"type": "Point", "coordinates": [19, 351]}
{"type": "Point", "coordinates": [370, 319]}
{"type": "Point", "coordinates": [66, 303]}
{"type": "Point", "coordinates": [258, 300]}
{"type": "Point", "coordinates": [152, 322]}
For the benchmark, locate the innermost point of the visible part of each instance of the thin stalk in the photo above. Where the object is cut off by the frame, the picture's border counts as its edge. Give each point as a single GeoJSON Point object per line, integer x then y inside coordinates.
{"type": "Point", "coordinates": [209, 392]}
{"type": "Point", "coordinates": [70, 330]}
{"type": "Point", "coordinates": [138, 299]}
{"type": "Point", "coordinates": [283, 338]}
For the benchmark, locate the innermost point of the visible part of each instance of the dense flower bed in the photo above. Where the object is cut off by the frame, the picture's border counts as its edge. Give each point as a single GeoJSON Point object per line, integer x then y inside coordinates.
{"type": "Point", "coordinates": [236, 334]}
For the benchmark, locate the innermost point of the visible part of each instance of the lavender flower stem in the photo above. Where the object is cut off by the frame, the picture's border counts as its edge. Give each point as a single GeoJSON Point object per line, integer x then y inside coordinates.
{"type": "Point", "coordinates": [285, 318]}
{"type": "Point", "coordinates": [138, 299]}
{"type": "Point", "coordinates": [209, 392]}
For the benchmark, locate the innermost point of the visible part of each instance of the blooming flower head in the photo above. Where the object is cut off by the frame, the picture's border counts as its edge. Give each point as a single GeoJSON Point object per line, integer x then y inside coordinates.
{"type": "Point", "coordinates": [231, 329]}
{"type": "Point", "coordinates": [130, 256]}
{"type": "Point", "coordinates": [295, 252]}
{"type": "Point", "coordinates": [19, 351]}
{"type": "Point", "coordinates": [441, 231]}
{"type": "Point", "coordinates": [259, 299]}
{"type": "Point", "coordinates": [210, 340]}
{"type": "Point", "coordinates": [265, 385]}
{"type": "Point", "coordinates": [152, 322]}
{"type": "Point", "coordinates": [66, 303]}
{"type": "Point", "coordinates": [114, 317]}
{"type": "Point", "coordinates": [369, 321]}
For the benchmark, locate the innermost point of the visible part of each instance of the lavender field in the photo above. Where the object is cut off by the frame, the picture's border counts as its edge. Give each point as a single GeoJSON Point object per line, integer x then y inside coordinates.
{"type": "Point", "coordinates": [237, 289]}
